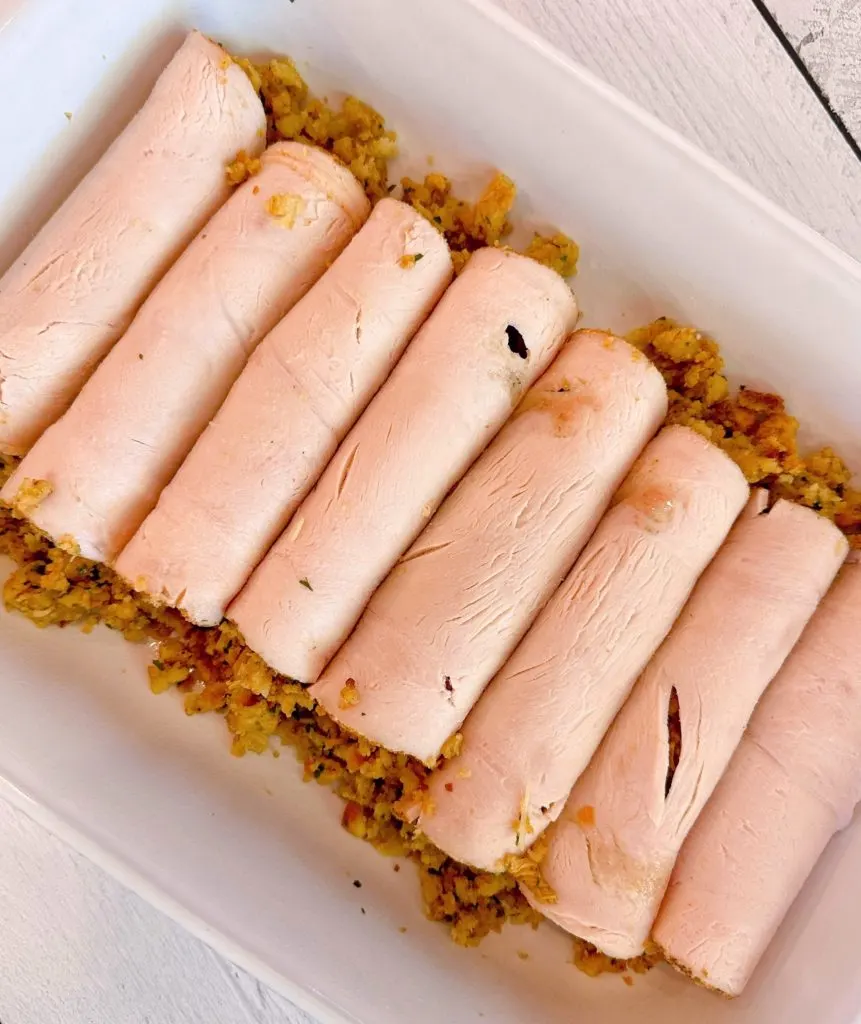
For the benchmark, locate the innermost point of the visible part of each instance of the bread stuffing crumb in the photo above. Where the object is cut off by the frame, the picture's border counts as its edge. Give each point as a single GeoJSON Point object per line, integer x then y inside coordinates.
{"type": "Point", "coordinates": [526, 869]}
{"type": "Point", "coordinates": [591, 961]}
{"type": "Point", "coordinates": [285, 208]}
{"type": "Point", "coordinates": [30, 495]}
{"type": "Point", "coordinates": [349, 695]}
{"type": "Point", "coordinates": [453, 746]}
{"type": "Point", "coordinates": [242, 167]}
{"type": "Point", "coordinates": [353, 132]}
{"type": "Point", "coordinates": [557, 251]}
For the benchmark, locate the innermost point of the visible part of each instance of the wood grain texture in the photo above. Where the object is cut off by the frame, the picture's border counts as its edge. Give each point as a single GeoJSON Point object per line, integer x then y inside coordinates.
{"type": "Point", "coordinates": [827, 36]}
{"type": "Point", "coordinates": [78, 948]}
{"type": "Point", "coordinates": [713, 70]}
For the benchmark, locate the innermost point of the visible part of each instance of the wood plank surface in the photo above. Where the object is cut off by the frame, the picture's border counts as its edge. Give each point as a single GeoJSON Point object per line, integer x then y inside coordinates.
{"type": "Point", "coordinates": [827, 36]}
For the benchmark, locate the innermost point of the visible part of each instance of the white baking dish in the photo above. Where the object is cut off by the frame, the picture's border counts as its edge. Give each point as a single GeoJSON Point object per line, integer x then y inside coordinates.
{"type": "Point", "coordinates": [242, 852]}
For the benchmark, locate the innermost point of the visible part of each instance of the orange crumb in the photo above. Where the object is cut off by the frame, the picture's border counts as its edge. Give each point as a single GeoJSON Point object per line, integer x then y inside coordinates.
{"type": "Point", "coordinates": [585, 816]}
{"type": "Point", "coordinates": [349, 695]}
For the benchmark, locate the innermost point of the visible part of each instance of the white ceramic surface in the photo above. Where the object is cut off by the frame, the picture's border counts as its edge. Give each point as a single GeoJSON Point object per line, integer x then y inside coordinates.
{"type": "Point", "coordinates": [242, 852]}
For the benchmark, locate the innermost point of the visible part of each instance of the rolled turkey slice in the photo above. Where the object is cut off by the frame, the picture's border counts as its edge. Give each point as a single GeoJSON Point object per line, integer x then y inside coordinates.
{"type": "Point", "coordinates": [301, 391]}
{"type": "Point", "coordinates": [456, 605]}
{"type": "Point", "coordinates": [75, 289]}
{"type": "Point", "coordinates": [793, 782]}
{"type": "Point", "coordinates": [494, 331]}
{"type": "Point", "coordinates": [541, 719]}
{"type": "Point", "coordinates": [104, 463]}
{"type": "Point", "coordinates": [611, 852]}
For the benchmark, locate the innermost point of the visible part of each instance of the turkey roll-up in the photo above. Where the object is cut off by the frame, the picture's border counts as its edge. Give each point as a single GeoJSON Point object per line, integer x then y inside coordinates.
{"type": "Point", "coordinates": [104, 463]}
{"type": "Point", "coordinates": [612, 851]}
{"type": "Point", "coordinates": [792, 783]}
{"type": "Point", "coordinates": [75, 289]}
{"type": "Point", "coordinates": [493, 332]}
{"type": "Point", "coordinates": [541, 719]}
{"type": "Point", "coordinates": [301, 391]}
{"type": "Point", "coordinates": [453, 609]}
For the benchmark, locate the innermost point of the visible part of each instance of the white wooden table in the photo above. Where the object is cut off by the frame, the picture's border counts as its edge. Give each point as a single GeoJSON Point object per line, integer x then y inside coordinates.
{"type": "Point", "coordinates": [77, 948]}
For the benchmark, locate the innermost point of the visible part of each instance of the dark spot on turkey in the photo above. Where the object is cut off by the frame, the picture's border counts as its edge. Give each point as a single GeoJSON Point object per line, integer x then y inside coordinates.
{"type": "Point", "coordinates": [516, 342]}
{"type": "Point", "coordinates": [674, 739]}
